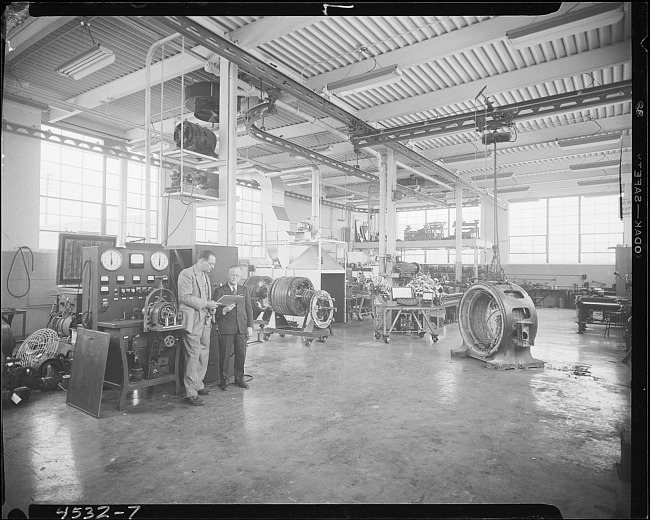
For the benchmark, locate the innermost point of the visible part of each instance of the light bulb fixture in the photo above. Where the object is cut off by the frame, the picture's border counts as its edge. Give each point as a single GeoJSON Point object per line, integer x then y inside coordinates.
{"type": "Point", "coordinates": [594, 166]}
{"type": "Point", "coordinates": [596, 182]}
{"type": "Point", "coordinates": [92, 60]}
{"type": "Point", "coordinates": [600, 15]}
{"type": "Point", "coordinates": [366, 81]}
{"type": "Point", "coordinates": [585, 142]}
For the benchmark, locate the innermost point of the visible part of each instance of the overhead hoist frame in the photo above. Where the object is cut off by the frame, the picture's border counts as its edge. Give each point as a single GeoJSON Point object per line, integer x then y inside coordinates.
{"type": "Point", "coordinates": [551, 105]}
{"type": "Point", "coordinates": [274, 78]}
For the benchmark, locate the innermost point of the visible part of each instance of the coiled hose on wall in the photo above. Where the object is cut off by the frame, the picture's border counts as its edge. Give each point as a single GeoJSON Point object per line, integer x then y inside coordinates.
{"type": "Point", "coordinates": [29, 283]}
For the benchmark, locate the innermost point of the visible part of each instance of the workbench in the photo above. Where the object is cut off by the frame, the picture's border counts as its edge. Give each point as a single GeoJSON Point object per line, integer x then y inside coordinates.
{"type": "Point", "coordinates": [551, 297]}
{"type": "Point", "coordinates": [605, 310]}
{"type": "Point", "coordinates": [393, 317]}
{"type": "Point", "coordinates": [122, 334]}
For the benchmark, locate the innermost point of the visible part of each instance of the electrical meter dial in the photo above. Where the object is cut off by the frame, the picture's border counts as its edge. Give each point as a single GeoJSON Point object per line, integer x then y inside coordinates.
{"type": "Point", "coordinates": [159, 260]}
{"type": "Point", "coordinates": [111, 259]}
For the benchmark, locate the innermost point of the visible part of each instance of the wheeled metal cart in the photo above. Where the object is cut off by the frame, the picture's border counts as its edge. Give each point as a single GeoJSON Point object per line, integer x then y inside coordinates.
{"type": "Point", "coordinates": [393, 317]}
{"type": "Point", "coordinates": [274, 322]}
{"type": "Point", "coordinates": [360, 305]}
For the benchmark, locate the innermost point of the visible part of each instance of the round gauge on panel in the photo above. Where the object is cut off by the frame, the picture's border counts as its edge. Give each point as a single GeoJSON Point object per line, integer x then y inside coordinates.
{"type": "Point", "coordinates": [111, 259]}
{"type": "Point", "coordinates": [159, 260]}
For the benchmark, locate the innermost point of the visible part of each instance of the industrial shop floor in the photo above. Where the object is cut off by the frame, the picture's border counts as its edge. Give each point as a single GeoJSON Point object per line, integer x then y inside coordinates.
{"type": "Point", "coordinates": [352, 420]}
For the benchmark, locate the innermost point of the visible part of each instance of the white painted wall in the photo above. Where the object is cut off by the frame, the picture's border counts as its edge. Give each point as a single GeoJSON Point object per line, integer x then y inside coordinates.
{"type": "Point", "coordinates": [21, 166]}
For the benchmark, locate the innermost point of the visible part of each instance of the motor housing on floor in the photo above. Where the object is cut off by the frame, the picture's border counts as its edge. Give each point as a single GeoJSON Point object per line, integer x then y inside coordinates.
{"type": "Point", "coordinates": [498, 324]}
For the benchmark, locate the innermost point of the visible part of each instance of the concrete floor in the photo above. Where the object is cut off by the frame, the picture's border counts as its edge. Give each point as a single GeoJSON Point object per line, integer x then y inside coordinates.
{"type": "Point", "coordinates": [351, 420]}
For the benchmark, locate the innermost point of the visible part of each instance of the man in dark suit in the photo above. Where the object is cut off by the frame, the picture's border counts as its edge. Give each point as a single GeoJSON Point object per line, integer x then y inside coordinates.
{"type": "Point", "coordinates": [235, 323]}
{"type": "Point", "coordinates": [198, 310]}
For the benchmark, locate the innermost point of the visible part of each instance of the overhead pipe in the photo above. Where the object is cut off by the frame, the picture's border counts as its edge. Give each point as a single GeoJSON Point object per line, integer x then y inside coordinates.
{"type": "Point", "coordinates": [247, 89]}
{"type": "Point", "coordinates": [223, 47]}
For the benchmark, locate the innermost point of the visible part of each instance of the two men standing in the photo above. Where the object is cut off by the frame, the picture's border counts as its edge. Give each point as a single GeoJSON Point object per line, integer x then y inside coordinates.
{"type": "Point", "coordinates": [200, 311]}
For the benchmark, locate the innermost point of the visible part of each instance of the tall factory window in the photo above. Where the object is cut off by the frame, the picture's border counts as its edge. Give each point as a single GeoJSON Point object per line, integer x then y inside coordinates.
{"type": "Point", "coordinates": [207, 223]}
{"type": "Point", "coordinates": [437, 256]}
{"type": "Point", "coordinates": [565, 230]}
{"type": "Point", "coordinates": [467, 257]}
{"type": "Point", "coordinates": [414, 255]}
{"type": "Point", "coordinates": [136, 200]}
{"type": "Point", "coordinates": [72, 189]}
{"type": "Point", "coordinates": [249, 223]}
{"type": "Point", "coordinates": [600, 229]}
{"type": "Point", "coordinates": [440, 215]}
{"type": "Point", "coordinates": [80, 192]}
{"type": "Point", "coordinates": [416, 220]}
{"type": "Point", "coordinates": [470, 214]}
{"type": "Point", "coordinates": [113, 174]}
{"type": "Point", "coordinates": [528, 232]}
{"type": "Point", "coordinates": [563, 221]}
{"type": "Point", "coordinates": [413, 219]}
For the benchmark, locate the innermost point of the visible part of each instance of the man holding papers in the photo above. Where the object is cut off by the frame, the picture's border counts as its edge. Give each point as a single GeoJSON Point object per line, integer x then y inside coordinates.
{"type": "Point", "coordinates": [235, 319]}
{"type": "Point", "coordinates": [197, 308]}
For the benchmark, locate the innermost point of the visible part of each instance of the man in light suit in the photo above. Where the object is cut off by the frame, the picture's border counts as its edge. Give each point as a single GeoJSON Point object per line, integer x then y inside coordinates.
{"type": "Point", "coordinates": [235, 325]}
{"type": "Point", "coordinates": [197, 307]}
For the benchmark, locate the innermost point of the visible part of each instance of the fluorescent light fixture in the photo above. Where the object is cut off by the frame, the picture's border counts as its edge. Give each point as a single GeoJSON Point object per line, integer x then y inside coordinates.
{"type": "Point", "coordinates": [537, 199]}
{"type": "Point", "coordinates": [594, 166]}
{"type": "Point", "coordinates": [299, 183]}
{"type": "Point", "coordinates": [366, 81]}
{"type": "Point", "coordinates": [339, 196]}
{"type": "Point", "coordinates": [92, 60]}
{"type": "Point", "coordinates": [322, 149]}
{"type": "Point", "coordinates": [490, 176]}
{"type": "Point", "coordinates": [585, 142]}
{"type": "Point", "coordinates": [513, 189]}
{"type": "Point", "coordinates": [596, 182]}
{"type": "Point", "coordinates": [588, 19]}
{"type": "Point", "coordinates": [467, 157]}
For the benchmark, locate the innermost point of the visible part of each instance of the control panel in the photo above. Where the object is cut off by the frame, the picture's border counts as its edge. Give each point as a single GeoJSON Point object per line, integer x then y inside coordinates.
{"type": "Point", "coordinates": [118, 280]}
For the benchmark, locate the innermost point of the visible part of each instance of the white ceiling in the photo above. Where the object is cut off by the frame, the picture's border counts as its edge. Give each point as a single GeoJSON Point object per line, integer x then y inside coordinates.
{"type": "Point", "coordinates": [446, 62]}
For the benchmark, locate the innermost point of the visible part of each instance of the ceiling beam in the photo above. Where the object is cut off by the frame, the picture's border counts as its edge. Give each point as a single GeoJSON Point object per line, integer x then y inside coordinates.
{"type": "Point", "coordinates": [270, 28]}
{"type": "Point", "coordinates": [440, 47]}
{"type": "Point", "coordinates": [536, 137]}
{"type": "Point", "coordinates": [176, 65]}
{"type": "Point", "coordinates": [506, 82]}
{"type": "Point", "coordinates": [30, 33]}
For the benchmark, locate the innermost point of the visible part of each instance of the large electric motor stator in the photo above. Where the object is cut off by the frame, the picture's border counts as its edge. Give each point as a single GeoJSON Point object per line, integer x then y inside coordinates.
{"type": "Point", "coordinates": [295, 296]}
{"type": "Point", "coordinates": [258, 291]}
{"type": "Point", "coordinates": [498, 324]}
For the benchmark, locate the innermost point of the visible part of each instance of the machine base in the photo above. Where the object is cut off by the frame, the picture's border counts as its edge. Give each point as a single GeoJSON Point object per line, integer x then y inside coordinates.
{"type": "Point", "coordinates": [513, 358]}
